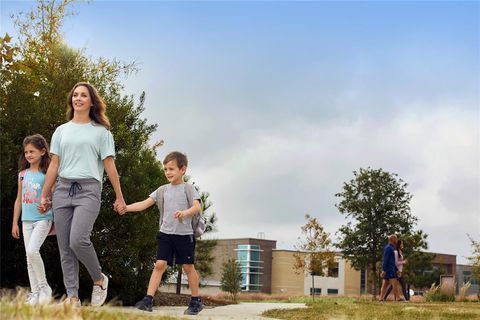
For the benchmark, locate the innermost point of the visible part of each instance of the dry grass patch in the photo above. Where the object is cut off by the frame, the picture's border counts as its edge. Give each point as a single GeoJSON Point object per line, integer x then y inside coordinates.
{"type": "Point", "coordinates": [350, 308]}
{"type": "Point", "coordinates": [14, 307]}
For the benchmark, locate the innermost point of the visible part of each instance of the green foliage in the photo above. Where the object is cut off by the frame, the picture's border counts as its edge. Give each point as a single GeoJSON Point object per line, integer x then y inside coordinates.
{"type": "Point", "coordinates": [434, 294]}
{"type": "Point", "coordinates": [231, 281]}
{"type": "Point", "coordinates": [315, 254]}
{"type": "Point", "coordinates": [475, 261]}
{"type": "Point", "coordinates": [37, 74]}
{"type": "Point", "coordinates": [378, 204]}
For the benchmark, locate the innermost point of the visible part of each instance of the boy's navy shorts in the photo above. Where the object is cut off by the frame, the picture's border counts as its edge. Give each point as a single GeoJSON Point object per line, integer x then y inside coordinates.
{"type": "Point", "coordinates": [180, 247]}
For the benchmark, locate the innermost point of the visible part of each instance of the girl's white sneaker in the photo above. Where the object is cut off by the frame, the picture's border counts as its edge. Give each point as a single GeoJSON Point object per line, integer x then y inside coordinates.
{"type": "Point", "coordinates": [32, 299]}
{"type": "Point", "coordinates": [44, 294]}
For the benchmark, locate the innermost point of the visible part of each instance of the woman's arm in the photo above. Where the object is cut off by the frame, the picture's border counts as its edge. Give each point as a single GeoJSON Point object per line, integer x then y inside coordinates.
{"type": "Point", "coordinates": [111, 169]}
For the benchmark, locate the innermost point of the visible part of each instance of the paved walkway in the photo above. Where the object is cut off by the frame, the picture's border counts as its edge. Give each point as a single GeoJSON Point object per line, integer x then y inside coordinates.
{"type": "Point", "coordinates": [241, 311]}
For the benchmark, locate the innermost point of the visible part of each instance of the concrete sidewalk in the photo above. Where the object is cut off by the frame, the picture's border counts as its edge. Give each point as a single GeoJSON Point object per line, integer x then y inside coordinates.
{"type": "Point", "coordinates": [243, 311]}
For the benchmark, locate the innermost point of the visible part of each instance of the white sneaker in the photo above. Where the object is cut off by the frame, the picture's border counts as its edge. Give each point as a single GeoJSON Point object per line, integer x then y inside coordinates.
{"type": "Point", "coordinates": [44, 294]}
{"type": "Point", "coordinates": [99, 293]}
{"type": "Point", "coordinates": [32, 299]}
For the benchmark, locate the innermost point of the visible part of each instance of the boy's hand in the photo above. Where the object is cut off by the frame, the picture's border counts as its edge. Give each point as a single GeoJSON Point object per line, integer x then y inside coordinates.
{"type": "Point", "coordinates": [119, 206]}
{"type": "Point", "coordinates": [122, 212]}
{"type": "Point", "coordinates": [15, 231]}
{"type": "Point", "coordinates": [180, 215]}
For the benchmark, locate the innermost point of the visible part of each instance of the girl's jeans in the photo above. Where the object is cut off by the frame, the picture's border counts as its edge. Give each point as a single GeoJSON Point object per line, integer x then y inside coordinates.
{"type": "Point", "coordinates": [34, 234]}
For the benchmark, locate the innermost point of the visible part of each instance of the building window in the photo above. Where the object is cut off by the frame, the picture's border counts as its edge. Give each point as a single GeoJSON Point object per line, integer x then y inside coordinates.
{"type": "Point", "coordinates": [363, 281]}
{"type": "Point", "coordinates": [249, 258]}
{"type": "Point", "coordinates": [332, 291]}
{"type": "Point", "coordinates": [316, 291]}
{"type": "Point", "coordinates": [333, 270]}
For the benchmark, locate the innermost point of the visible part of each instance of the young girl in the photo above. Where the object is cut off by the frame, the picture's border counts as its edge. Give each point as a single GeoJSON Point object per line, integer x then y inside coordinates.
{"type": "Point", "coordinates": [35, 225]}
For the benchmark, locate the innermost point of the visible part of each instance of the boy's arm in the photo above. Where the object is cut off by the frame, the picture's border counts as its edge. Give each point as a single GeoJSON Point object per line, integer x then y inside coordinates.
{"type": "Point", "coordinates": [194, 209]}
{"type": "Point", "coordinates": [139, 206]}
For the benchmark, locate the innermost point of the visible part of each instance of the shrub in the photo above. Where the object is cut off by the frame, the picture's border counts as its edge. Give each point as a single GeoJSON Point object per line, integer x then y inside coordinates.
{"type": "Point", "coordinates": [434, 295]}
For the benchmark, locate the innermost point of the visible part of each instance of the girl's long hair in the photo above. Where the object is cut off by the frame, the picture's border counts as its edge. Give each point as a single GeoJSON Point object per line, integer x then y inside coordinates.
{"type": "Point", "coordinates": [98, 109]}
{"type": "Point", "coordinates": [39, 142]}
{"type": "Point", "coordinates": [399, 248]}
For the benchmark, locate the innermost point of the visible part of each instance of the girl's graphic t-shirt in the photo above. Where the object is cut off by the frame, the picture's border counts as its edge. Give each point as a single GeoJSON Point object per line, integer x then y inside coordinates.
{"type": "Point", "coordinates": [32, 185]}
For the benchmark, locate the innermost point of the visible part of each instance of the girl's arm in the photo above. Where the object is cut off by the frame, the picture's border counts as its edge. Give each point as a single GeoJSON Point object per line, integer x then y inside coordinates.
{"type": "Point", "coordinates": [111, 169]}
{"type": "Point", "coordinates": [17, 209]}
{"type": "Point", "coordinates": [195, 208]}
{"type": "Point", "coordinates": [139, 206]}
{"type": "Point", "coordinates": [50, 178]}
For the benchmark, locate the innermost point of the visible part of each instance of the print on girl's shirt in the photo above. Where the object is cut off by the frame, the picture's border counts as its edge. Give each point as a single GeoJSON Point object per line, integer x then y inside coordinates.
{"type": "Point", "coordinates": [31, 191]}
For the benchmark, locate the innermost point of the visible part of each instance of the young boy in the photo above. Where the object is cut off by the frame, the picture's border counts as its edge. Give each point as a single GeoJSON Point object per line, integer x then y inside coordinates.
{"type": "Point", "coordinates": [176, 236]}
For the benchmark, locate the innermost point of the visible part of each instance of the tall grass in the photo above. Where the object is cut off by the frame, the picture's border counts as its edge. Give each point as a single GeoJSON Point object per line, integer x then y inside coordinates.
{"type": "Point", "coordinates": [14, 307]}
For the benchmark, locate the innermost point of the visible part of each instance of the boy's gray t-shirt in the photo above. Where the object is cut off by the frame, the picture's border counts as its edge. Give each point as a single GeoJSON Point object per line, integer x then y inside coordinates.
{"type": "Point", "coordinates": [175, 199]}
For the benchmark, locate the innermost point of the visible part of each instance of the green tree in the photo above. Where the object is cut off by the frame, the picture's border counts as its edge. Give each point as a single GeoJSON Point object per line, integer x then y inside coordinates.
{"type": "Point", "coordinates": [314, 254]}
{"type": "Point", "coordinates": [37, 72]}
{"type": "Point", "coordinates": [378, 204]}
{"type": "Point", "coordinates": [231, 280]}
{"type": "Point", "coordinates": [475, 261]}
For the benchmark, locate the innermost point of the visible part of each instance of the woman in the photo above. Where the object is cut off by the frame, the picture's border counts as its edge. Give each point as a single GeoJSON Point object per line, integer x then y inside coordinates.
{"type": "Point", "coordinates": [81, 150]}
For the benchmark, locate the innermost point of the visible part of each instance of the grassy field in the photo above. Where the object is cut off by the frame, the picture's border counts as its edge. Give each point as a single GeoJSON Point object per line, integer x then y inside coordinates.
{"type": "Point", "coordinates": [15, 308]}
{"type": "Point", "coordinates": [351, 308]}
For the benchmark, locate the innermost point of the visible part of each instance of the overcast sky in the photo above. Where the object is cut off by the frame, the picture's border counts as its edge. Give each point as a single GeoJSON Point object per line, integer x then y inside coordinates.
{"type": "Point", "coordinates": [277, 103]}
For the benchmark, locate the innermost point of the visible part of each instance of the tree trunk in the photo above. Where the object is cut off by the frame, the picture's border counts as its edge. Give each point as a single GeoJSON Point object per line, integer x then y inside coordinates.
{"type": "Point", "coordinates": [375, 280]}
{"type": "Point", "coordinates": [179, 280]}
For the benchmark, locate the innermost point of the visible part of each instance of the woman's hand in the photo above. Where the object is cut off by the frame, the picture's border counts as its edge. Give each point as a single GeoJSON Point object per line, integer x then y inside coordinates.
{"type": "Point", "coordinates": [120, 206]}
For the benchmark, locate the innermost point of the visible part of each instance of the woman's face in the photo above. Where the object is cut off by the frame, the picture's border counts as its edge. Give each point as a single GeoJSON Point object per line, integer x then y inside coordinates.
{"type": "Point", "coordinates": [81, 100]}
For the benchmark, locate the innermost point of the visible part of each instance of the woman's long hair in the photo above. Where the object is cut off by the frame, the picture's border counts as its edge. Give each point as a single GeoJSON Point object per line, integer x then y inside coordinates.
{"type": "Point", "coordinates": [39, 142]}
{"type": "Point", "coordinates": [399, 248]}
{"type": "Point", "coordinates": [98, 109]}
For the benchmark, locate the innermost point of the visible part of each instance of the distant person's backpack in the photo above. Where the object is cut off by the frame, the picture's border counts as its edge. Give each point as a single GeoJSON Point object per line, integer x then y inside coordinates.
{"type": "Point", "coordinates": [198, 222]}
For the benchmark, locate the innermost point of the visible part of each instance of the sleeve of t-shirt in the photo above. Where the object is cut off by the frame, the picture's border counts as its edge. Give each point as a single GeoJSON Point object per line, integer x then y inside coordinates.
{"type": "Point", "coordinates": [55, 143]}
{"type": "Point", "coordinates": [107, 148]}
{"type": "Point", "coordinates": [154, 195]}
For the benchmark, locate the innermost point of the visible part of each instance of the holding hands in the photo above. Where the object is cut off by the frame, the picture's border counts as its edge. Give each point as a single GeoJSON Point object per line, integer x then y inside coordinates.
{"type": "Point", "coordinates": [120, 206]}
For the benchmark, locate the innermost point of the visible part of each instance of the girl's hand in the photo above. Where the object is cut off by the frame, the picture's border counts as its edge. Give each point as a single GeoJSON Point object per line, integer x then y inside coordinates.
{"type": "Point", "coordinates": [15, 231]}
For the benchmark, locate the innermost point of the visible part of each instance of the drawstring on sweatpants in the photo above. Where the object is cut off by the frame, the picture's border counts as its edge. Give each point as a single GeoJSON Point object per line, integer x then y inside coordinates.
{"type": "Point", "coordinates": [73, 189]}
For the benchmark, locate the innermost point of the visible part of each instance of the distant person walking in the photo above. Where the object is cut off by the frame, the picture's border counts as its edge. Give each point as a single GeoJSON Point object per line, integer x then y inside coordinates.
{"type": "Point", "coordinates": [389, 269]}
{"type": "Point", "coordinates": [81, 149]}
{"type": "Point", "coordinates": [35, 225]}
{"type": "Point", "coordinates": [399, 262]}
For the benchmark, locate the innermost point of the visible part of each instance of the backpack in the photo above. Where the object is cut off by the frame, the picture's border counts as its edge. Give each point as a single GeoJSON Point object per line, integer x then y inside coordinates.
{"type": "Point", "coordinates": [198, 222]}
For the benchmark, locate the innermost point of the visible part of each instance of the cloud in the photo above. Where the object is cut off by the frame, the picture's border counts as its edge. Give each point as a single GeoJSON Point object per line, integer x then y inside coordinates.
{"type": "Point", "coordinates": [266, 180]}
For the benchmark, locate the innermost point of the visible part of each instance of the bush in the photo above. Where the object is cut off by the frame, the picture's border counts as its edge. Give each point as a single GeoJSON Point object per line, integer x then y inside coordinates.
{"type": "Point", "coordinates": [434, 295]}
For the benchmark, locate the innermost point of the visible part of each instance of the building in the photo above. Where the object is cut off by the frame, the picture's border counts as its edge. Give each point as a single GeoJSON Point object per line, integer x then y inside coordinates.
{"type": "Point", "coordinates": [340, 279]}
{"type": "Point", "coordinates": [254, 257]}
{"type": "Point", "coordinates": [269, 270]}
{"type": "Point", "coordinates": [464, 275]}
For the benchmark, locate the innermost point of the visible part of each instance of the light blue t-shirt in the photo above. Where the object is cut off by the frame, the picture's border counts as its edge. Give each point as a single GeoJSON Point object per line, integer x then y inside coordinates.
{"type": "Point", "coordinates": [32, 185]}
{"type": "Point", "coordinates": [82, 149]}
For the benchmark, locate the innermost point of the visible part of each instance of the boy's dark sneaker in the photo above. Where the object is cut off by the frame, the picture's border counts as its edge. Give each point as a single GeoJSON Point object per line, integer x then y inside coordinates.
{"type": "Point", "coordinates": [194, 308]}
{"type": "Point", "coordinates": [145, 304]}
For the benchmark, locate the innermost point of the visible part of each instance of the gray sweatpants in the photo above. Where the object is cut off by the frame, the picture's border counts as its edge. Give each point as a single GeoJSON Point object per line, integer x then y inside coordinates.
{"type": "Point", "coordinates": [76, 205]}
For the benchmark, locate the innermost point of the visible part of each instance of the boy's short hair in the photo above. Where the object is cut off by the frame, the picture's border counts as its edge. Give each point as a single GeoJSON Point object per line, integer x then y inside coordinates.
{"type": "Point", "coordinates": [179, 157]}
